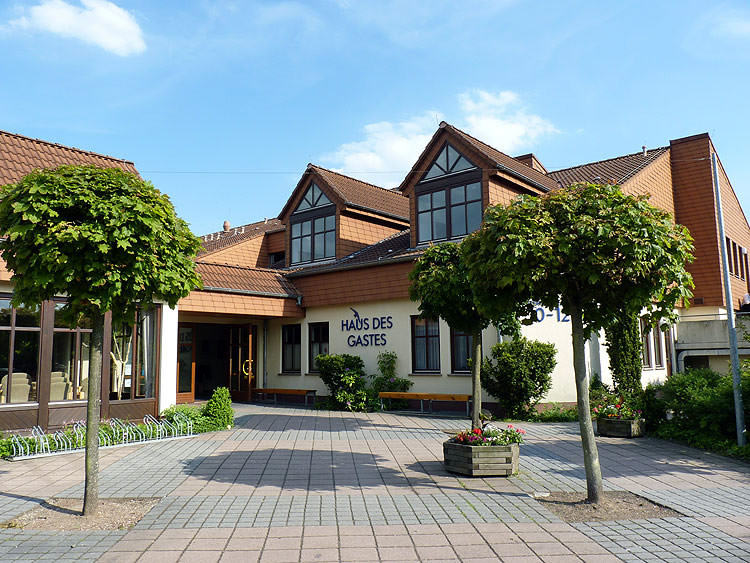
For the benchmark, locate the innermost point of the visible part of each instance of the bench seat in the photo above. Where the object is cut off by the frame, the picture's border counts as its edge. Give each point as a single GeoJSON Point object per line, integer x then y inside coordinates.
{"type": "Point", "coordinates": [422, 397]}
{"type": "Point", "coordinates": [307, 393]}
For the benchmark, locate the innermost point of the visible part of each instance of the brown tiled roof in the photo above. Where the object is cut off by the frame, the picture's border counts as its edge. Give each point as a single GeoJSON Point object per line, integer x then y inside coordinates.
{"type": "Point", "coordinates": [617, 170]}
{"type": "Point", "coordinates": [504, 161]}
{"type": "Point", "coordinates": [395, 247]}
{"type": "Point", "coordinates": [356, 193]}
{"type": "Point", "coordinates": [221, 239]}
{"type": "Point", "coordinates": [20, 155]}
{"type": "Point", "coordinates": [218, 277]}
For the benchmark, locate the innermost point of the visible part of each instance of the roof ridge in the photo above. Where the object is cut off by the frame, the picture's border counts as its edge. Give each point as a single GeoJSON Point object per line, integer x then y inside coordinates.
{"type": "Point", "coordinates": [76, 149]}
{"type": "Point", "coordinates": [238, 267]}
{"type": "Point", "coordinates": [353, 178]}
{"type": "Point", "coordinates": [241, 226]}
{"type": "Point", "coordinates": [607, 160]}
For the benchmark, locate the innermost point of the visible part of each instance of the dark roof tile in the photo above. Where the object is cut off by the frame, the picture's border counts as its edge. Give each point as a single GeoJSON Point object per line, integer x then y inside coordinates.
{"type": "Point", "coordinates": [217, 277]}
{"type": "Point", "coordinates": [617, 170]}
{"type": "Point", "coordinates": [219, 240]}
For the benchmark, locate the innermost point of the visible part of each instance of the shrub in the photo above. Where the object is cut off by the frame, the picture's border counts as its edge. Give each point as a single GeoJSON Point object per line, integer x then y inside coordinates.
{"type": "Point", "coordinates": [219, 408]}
{"type": "Point", "coordinates": [344, 375]}
{"type": "Point", "coordinates": [624, 347]}
{"type": "Point", "coordinates": [388, 381]}
{"type": "Point", "coordinates": [556, 412]}
{"type": "Point", "coordinates": [518, 374]}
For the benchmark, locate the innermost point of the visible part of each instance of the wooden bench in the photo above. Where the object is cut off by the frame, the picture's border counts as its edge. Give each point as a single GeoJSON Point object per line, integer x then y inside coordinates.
{"type": "Point", "coordinates": [301, 392]}
{"type": "Point", "coordinates": [422, 397]}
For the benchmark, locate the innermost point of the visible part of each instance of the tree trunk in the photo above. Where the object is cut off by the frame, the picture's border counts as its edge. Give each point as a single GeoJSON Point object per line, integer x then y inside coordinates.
{"type": "Point", "coordinates": [590, 452]}
{"type": "Point", "coordinates": [93, 415]}
{"type": "Point", "coordinates": [476, 386]}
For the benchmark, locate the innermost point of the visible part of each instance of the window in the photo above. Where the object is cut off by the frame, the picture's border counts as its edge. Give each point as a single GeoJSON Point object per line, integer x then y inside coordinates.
{"type": "Point", "coordinates": [658, 356]}
{"type": "Point", "coordinates": [276, 259]}
{"type": "Point", "coordinates": [313, 228]}
{"type": "Point", "coordinates": [652, 349]}
{"type": "Point", "coordinates": [318, 342]}
{"type": "Point", "coordinates": [449, 198]}
{"type": "Point", "coordinates": [133, 362]}
{"type": "Point", "coordinates": [20, 329]}
{"type": "Point", "coordinates": [736, 259]}
{"type": "Point", "coordinates": [425, 339]}
{"type": "Point", "coordinates": [461, 350]}
{"type": "Point", "coordinates": [70, 360]}
{"type": "Point", "coordinates": [646, 345]}
{"type": "Point", "coordinates": [291, 338]}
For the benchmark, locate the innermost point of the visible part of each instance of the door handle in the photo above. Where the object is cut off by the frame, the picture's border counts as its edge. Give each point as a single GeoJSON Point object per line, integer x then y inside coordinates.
{"type": "Point", "coordinates": [246, 365]}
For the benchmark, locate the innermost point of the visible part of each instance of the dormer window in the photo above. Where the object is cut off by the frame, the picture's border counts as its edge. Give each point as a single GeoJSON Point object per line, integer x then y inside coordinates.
{"type": "Point", "coordinates": [313, 228]}
{"type": "Point", "coordinates": [449, 198]}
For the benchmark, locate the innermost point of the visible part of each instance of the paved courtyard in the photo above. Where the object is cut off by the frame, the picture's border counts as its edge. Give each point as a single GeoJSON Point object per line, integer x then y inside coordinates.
{"type": "Point", "coordinates": [291, 484]}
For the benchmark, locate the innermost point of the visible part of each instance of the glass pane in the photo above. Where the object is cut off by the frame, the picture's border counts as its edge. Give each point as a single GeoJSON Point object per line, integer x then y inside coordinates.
{"type": "Point", "coordinates": [306, 226]}
{"type": "Point", "coordinates": [433, 328]}
{"type": "Point", "coordinates": [438, 199]}
{"type": "Point", "coordinates": [314, 194]}
{"type": "Point", "coordinates": [295, 230]}
{"type": "Point", "coordinates": [458, 220]}
{"type": "Point", "coordinates": [442, 160]}
{"type": "Point", "coordinates": [81, 391]}
{"type": "Point", "coordinates": [306, 249]}
{"type": "Point", "coordinates": [473, 216]}
{"type": "Point", "coordinates": [462, 164]}
{"type": "Point", "coordinates": [433, 172]}
{"type": "Point", "coordinates": [4, 356]}
{"type": "Point", "coordinates": [63, 377]}
{"type": "Point", "coordinates": [473, 191]}
{"type": "Point", "coordinates": [433, 354]}
{"type": "Point", "coordinates": [457, 195]}
{"type": "Point", "coordinates": [304, 204]}
{"type": "Point", "coordinates": [330, 223]}
{"type": "Point", "coordinates": [185, 360]}
{"type": "Point", "coordinates": [296, 250]}
{"type": "Point", "coordinates": [330, 244]}
{"type": "Point", "coordinates": [145, 373]}
{"type": "Point", "coordinates": [121, 366]}
{"type": "Point", "coordinates": [452, 157]}
{"type": "Point", "coordinates": [25, 362]}
{"type": "Point", "coordinates": [423, 202]}
{"type": "Point", "coordinates": [28, 315]}
{"type": "Point", "coordinates": [438, 224]}
{"type": "Point", "coordinates": [424, 226]}
{"type": "Point", "coordinates": [5, 310]}
{"type": "Point", "coordinates": [419, 327]}
{"type": "Point", "coordinates": [319, 225]}
{"type": "Point", "coordinates": [420, 354]}
{"type": "Point", "coordinates": [296, 361]}
{"type": "Point", "coordinates": [322, 200]}
{"type": "Point", "coordinates": [319, 246]}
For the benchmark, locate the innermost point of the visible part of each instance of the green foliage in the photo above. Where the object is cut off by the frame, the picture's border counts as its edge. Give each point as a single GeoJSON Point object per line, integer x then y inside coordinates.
{"type": "Point", "coordinates": [490, 436]}
{"type": "Point", "coordinates": [624, 347]}
{"type": "Point", "coordinates": [556, 412]}
{"type": "Point", "coordinates": [518, 374]}
{"type": "Point", "coordinates": [590, 245]}
{"type": "Point", "coordinates": [388, 381]}
{"type": "Point", "coordinates": [344, 375]}
{"type": "Point", "coordinates": [103, 237]}
{"type": "Point", "coordinates": [219, 408]}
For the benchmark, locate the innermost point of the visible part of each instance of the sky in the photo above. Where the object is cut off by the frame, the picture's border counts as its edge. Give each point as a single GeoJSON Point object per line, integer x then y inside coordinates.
{"type": "Point", "coordinates": [221, 104]}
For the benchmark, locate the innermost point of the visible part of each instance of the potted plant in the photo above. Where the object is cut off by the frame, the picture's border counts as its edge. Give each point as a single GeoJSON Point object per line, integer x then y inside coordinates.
{"type": "Point", "coordinates": [619, 420]}
{"type": "Point", "coordinates": [490, 451]}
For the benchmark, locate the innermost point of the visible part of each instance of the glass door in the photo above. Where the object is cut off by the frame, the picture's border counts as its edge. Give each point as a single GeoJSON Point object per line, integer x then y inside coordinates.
{"type": "Point", "coordinates": [186, 364]}
{"type": "Point", "coordinates": [241, 362]}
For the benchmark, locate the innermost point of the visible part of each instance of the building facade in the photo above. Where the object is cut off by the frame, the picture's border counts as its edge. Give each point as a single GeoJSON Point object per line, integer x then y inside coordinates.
{"type": "Point", "coordinates": [329, 274]}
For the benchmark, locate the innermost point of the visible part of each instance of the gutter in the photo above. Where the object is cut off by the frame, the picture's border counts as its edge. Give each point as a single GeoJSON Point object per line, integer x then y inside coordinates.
{"type": "Point", "coordinates": [379, 262]}
{"type": "Point", "coordinates": [377, 211]}
{"type": "Point", "coordinates": [512, 172]}
{"type": "Point", "coordinates": [250, 292]}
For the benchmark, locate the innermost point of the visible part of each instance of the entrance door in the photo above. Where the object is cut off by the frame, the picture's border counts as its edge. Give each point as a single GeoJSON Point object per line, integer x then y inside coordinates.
{"type": "Point", "coordinates": [241, 361]}
{"type": "Point", "coordinates": [186, 364]}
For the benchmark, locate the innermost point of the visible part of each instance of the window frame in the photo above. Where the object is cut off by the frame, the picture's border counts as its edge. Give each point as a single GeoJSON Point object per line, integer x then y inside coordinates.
{"type": "Point", "coordinates": [658, 349]}
{"type": "Point", "coordinates": [647, 357]}
{"type": "Point", "coordinates": [445, 184]}
{"type": "Point", "coordinates": [427, 337]}
{"type": "Point", "coordinates": [296, 348]}
{"type": "Point", "coordinates": [455, 334]}
{"type": "Point", "coordinates": [13, 329]}
{"type": "Point", "coordinates": [311, 216]}
{"type": "Point", "coordinates": [312, 368]}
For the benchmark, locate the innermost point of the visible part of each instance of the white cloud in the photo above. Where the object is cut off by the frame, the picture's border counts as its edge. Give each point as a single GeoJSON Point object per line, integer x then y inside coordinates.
{"type": "Point", "coordinates": [98, 22]}
{"type": "Point", "coordinates": [733, 24]}
{"type": "Point", "coordinates": [389, 150]}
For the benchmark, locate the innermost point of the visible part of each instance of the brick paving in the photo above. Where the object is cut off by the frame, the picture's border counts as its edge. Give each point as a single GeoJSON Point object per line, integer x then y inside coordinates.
{"type": "Point", "coordinates": [291, 484]}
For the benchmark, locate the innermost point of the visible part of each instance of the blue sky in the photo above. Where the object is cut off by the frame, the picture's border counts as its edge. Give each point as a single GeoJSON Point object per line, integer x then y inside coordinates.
{"type": "Point", "coordinates": [221, 104]}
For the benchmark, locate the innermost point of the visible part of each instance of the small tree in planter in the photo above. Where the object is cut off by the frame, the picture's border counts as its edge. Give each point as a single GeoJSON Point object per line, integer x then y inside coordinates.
{"type": "Point", "coordinates": [518, 375]}
{"type": "Point", "coordinates": [484, 452]}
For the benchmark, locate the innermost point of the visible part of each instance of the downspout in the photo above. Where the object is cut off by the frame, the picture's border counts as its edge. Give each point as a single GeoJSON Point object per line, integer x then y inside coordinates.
{"type": "Point", "coordinates": [265, 353]}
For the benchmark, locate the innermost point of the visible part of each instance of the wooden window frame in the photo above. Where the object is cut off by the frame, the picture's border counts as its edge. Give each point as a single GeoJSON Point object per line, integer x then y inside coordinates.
{"type": "Point", "coordinates": [435, 339]}
{"type": "Point", "coordinates": [296, 344]}
{"type": "Point", "coordinates": [310, 215]}
{"type": "Point", "coordinates": [445, 184]}
{"type": "Point", "coordinates": [455, 368]}
{"type": "Point", "coordinates": [310, 341]}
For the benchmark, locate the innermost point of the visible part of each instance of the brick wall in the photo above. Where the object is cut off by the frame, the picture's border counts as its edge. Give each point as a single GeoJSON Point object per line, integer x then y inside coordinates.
{"type": "Point", "coordinates": [355, 286]}
{"type": "Point", "coordinates": [654, 180]}
{"type": "Point", "coordinates": [234, 304]}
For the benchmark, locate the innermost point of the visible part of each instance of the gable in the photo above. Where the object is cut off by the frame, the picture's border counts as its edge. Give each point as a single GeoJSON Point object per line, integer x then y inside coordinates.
{"type": "Point", "coordinates": [448, 161]}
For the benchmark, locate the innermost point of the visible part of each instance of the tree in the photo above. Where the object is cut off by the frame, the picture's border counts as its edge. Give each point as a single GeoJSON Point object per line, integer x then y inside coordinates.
{"type": "Point", "coordinates": [108, 241]}
{"type": "Point", "coordinates": [440, 283]}
{"type": "Point", "coordinates": [594, 251]}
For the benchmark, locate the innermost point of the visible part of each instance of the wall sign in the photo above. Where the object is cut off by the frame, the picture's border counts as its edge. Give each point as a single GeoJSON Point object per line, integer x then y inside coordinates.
{"type": "Point", "coordinates": [360, 328]}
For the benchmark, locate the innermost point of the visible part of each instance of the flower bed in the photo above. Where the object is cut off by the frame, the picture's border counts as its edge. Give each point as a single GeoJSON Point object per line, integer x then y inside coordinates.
{"type": "Point", "coordinates": [619, 420]}
{"type": "Point", "coordinates": [491, 451]}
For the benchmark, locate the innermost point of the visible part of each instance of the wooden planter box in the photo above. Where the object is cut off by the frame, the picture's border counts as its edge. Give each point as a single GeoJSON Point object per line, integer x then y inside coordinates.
{"type": "Point", "coordinates": [481, 461]}
{"type": "Point", "coordinates": [614, 428]}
